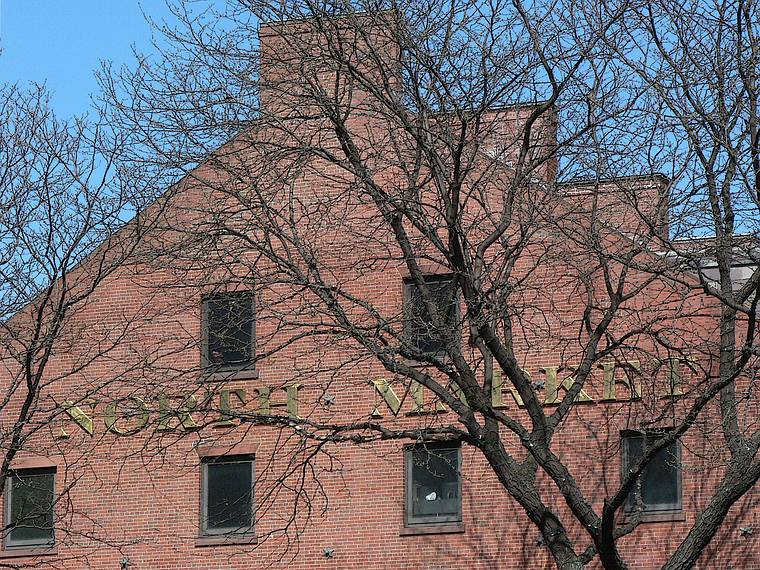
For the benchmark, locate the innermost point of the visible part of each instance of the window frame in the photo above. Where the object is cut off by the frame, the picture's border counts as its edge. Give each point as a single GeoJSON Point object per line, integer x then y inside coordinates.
{"type": "Point", "coordinates": [409, 287]}
{"type": "Point", "coordinates": [8, 543]}
{"type": "Point", "coordinates": [206, 363]}
{"type": "Point", "coordinates": [430, 520]}
{"type": "Point", "coordinates": [663, 509]}
{"type": "Point", "coordinates": [205, 532]}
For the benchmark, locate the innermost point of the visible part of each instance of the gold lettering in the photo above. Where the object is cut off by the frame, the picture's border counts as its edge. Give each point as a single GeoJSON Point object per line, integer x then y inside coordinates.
{"type": "Point", "coordinates": [266, 404]}
{"type": "Point", "coordinates": [674, 385]}
{"type": "Point", "coordinates": [628, 380]}
{"type": "Point", "coordinates": [110, 416]}
{"type": "Point", "coordinates": [263, 394]}
{"type": "Point", "coordinates": [418, 392]}
{"type": "Point", "coordinates": [225, 406]}
{"type": "Point", "coordinates": [292, 392]}
{"type": "Point", "coordinates": [674, 377]}
{"type": "Point", "coordinates": [497, 390]}
{"type": "Point", "coordinates": [417, 398]}
{"type": "Point", "coordinates": [458, 392]}
{"type": "Point", "coordinates": [497, 398]}
{"type": "Point", "coordinates": [552, 388]}
{"type": "Point", "coordinates": [182, 414]}
{"type": "Point", "coordinates": [83, 420]}
{"type": "Point", "coordinates": [391, 399]}
{"type": "Point", "coordinates": [129, 415]}
{"type": "Point", "coordinates": [551, 384]}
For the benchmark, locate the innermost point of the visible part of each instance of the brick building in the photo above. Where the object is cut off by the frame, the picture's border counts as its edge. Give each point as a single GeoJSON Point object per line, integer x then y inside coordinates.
{"type": "Point", "coordinates": [205, 410]}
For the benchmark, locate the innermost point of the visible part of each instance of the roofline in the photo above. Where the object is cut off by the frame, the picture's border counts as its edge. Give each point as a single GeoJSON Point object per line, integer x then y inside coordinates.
{"type": "Point", "coordinates": [302, 19]}
{"type": "Point", "coordinates": [589, 181]}
{"type": "Point", "coordinates": [746, 236]}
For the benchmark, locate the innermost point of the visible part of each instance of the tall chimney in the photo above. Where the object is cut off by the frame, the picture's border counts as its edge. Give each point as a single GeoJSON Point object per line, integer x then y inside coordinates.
{"type": "Point", "coordinates": [309, 62]}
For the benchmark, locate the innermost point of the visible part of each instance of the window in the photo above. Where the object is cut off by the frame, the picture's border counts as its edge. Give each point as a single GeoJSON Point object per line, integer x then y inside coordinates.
{"type": "Point", "coordinates": [418, 325]}
{"type": "Point", "coordinates": [661, 478]}
{"type": "Point", "coordinates": [228, 330]}
{"type": "Point", "coordinates": [433, 487]}
{"type": "Point", "coordinates": [29, 508]}
{"type": "Point", "coordinates": [227, 495]}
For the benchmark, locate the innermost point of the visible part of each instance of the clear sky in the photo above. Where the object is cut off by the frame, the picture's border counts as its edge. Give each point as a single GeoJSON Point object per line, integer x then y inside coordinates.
{"type": "Point", "coordinates": [61, 42]}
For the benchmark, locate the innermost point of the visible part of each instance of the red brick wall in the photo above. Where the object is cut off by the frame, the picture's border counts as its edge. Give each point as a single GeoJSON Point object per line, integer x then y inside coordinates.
{"type": "Point", "coordinates": [138, 495]}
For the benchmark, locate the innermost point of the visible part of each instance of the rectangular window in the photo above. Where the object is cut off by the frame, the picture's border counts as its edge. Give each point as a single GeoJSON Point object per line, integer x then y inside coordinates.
{"type": "Point", "coordinates": [419, 327]}
{"type": "Point", "coordinates": [29, 508]}
{"type": "Point", "coordinates": [228, 330]}
{"type": "Point", "coordinates": [433, 484]}
{"type": "Point", "coordinates": [661, 478]}
{"type": "Point", "coordinates": [227, 495]}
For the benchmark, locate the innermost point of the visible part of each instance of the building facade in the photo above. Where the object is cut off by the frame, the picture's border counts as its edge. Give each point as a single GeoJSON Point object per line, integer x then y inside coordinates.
{"type": "Point", "coordinates": [250, 390]}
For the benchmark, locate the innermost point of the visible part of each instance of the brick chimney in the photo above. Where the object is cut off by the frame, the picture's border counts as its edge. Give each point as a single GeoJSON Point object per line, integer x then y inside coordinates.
{"type": "Point", "coordinates": [302, 60]}
{"type": "Point", "coordinates": [633, 205]}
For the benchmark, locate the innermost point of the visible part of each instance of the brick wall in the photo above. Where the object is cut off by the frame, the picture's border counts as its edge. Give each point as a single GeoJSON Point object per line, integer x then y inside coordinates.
{"type": "Point", "coordinates": [137, 495]}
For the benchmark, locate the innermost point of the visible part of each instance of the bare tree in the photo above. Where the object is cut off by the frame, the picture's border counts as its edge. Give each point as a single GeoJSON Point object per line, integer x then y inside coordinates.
{"type": "Point", "coordinates": [61, 205]}
{"type": "Point", "coordinates": [357, 146]}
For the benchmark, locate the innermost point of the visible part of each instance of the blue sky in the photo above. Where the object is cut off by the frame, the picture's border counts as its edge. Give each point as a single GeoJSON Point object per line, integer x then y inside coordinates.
{"type": "Point", "coordinates": [61, 42]}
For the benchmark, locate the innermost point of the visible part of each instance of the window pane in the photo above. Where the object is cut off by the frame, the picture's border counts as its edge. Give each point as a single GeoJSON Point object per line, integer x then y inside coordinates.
{"type": "Point", "coordinates": [31, 511]}
{"type": "Point", "coordinates": [228, 496]}
{"type": "Point", "coordinates": [659, 480]}
{"type": "Point", "coordinates": [423, 334]}
{"type": "Point", "coordinates": [230, 328]}
{"type": "Point", "coordinates": [434, 485]}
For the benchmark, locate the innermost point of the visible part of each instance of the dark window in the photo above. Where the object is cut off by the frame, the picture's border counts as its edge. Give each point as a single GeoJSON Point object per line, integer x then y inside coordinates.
{"type": "Point", "coordinates": [228, 329]}
{"type": "Point", "coordinates": [419, 323]}
{"type": "Point", "coordinates": [661, 478]}
{"type": "Point", "coordinates": [29, 511]}
{"type": "Point", "coordinates": [433, 487]}
{"type": "Point", "coordinates": [227, 496]}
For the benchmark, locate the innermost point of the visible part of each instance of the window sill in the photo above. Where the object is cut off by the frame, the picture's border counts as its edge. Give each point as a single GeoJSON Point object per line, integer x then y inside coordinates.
{"type": "Point", "coordinates": [656, 517]}
{"type": "Point", "coordinates": [442, 358]}
{"type": "Point", "coordinates": [225, 539]}
{"type": "Point", "coordinates": [420, 529]}
{"type": "Point", "coordinates": [28, 551]}
{"type": "Point", "coordinates": [229, 374]}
